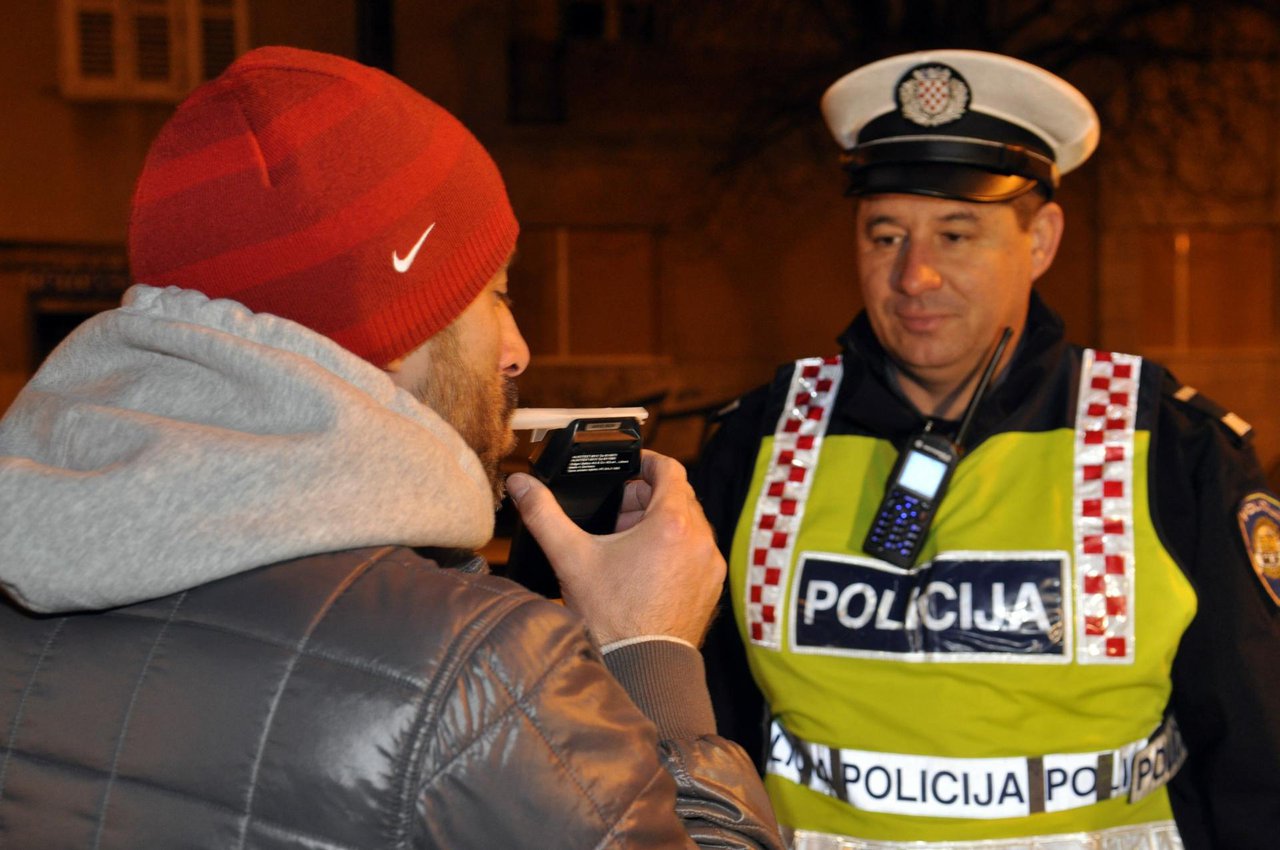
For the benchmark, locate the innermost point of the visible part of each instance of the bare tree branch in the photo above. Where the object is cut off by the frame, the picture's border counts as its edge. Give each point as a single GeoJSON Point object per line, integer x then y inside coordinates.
{"type": "Point", "coordinates": [1159, 71]}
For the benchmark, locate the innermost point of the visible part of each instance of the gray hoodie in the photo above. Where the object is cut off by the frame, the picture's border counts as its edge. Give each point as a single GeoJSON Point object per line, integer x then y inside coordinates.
{"type": "Point", "coordinates": [178, 440]}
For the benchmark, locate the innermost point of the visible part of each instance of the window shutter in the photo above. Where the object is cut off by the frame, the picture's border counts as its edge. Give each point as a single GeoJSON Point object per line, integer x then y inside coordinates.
{"type": "Point", "coordinates": [146, 49]}
{"type": "Point", "coordinates": [222, 35]}
{"type": "Point", "coordinates": [218, 46]}
{"type": "Point", "coordinates": [152, 48]}
{"type": "Point", "coordinates": [95, 31]}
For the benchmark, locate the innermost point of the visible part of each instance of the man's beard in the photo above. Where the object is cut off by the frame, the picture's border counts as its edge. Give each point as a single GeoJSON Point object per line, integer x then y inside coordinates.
{"type": "Point", "coordinates": [478, 404]}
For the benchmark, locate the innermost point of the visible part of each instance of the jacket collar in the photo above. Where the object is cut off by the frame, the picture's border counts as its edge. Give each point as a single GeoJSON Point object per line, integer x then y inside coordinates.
{"type": "Point", "coordinates": [872, 398]}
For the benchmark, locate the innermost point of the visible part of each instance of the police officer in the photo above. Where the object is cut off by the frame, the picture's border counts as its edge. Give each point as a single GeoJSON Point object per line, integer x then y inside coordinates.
{"type": "Point", "coordinates": [1036, 611]}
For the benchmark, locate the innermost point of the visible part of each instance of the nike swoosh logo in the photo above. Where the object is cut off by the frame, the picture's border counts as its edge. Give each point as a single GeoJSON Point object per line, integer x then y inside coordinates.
{"type": "Point", "coordinates": [402, 265]}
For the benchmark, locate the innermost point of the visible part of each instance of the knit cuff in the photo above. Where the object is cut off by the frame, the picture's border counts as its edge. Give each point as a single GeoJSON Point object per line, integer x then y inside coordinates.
{"type": "Point", "coordinates": [619, 644]}
{"type": "Point", "coordinates": [668, 682]}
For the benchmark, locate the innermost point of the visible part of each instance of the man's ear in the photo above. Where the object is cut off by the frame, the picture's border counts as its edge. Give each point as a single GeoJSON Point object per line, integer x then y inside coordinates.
{"type": "Point", "coordinates": [394, 366]}
{"type": "Point", "coordinates": [1046, 233]}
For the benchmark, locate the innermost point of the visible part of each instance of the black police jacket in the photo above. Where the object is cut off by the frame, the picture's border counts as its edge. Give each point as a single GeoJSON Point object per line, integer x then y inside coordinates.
{"type": "Point", "coordinates": [1226, 692]}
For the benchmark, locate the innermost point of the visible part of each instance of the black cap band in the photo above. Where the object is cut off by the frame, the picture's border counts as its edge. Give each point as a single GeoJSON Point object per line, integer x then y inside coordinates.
{"type": "Point", "coordinates": [949, 167]}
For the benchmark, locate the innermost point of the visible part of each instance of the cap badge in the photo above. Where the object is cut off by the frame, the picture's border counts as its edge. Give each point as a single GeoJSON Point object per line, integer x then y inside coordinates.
{"type": "Point", "coordinates": [1259, 517]}
{"type": "Point", "coordinates": [932, 94]}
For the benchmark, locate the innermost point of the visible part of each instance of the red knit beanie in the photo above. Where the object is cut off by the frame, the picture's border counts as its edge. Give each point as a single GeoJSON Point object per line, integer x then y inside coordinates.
{"type": "Point", "coordinates": [314, 188]}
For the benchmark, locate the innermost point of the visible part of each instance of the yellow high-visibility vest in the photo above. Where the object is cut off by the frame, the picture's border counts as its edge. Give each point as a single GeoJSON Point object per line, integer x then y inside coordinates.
{"type": "Point", "coordinates": [1010, 685]}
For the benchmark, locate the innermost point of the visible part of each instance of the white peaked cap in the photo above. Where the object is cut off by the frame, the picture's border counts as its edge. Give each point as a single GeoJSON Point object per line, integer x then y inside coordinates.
{"type": "Point", "coordinates": [958, 123]}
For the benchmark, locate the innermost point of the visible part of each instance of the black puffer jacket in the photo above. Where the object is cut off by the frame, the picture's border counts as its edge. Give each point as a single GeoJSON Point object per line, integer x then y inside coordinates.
{"type": "Point", "coordinates": [359, 699]}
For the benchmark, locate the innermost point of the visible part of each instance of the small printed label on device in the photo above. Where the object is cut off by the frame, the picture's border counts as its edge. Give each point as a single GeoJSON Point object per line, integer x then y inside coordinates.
{"type": "Point", "coordinates": [602, 462]}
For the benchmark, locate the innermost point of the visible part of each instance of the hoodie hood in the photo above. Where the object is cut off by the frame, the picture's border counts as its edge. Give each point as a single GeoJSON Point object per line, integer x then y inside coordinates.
{"type": "Point", "coordinates": [177, 440]}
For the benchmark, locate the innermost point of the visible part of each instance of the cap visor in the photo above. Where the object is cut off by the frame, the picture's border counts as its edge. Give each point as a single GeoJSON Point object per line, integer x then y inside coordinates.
{"type": "Point", "coordinates": [940, 181]}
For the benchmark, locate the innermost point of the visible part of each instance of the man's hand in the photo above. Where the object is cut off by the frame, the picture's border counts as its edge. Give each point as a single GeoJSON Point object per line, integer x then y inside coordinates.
{"type": "Point", "coordinates": [660, 573]}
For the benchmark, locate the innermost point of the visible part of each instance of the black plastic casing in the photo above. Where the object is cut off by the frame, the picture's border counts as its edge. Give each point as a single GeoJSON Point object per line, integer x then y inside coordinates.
{"type": "Point", "coordinates": [902, 521]}
{"type": "Point", "coordinates": [586, 464]}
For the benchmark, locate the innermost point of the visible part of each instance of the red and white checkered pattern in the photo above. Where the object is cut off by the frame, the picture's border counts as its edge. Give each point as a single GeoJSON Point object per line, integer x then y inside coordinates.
{"type": "Point", "coordinates": [933, 92]}
{"type": "Point", "coordinates": [1104, 506]}
{"type": "Point", "coordinates": [780, 507]}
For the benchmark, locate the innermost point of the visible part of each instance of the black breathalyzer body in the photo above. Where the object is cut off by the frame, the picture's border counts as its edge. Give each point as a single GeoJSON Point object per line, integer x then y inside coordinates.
{"type": "Point", "coordinates": [586, 464]}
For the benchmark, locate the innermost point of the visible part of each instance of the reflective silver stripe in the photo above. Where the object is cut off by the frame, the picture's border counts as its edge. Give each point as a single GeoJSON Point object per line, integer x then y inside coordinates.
{"type": "Point", "coordinates": [976, 788]}
{"type": "Point", "coordinates": [1158, 835]}
{"type": "Point", "coordinates": [1159, 761]}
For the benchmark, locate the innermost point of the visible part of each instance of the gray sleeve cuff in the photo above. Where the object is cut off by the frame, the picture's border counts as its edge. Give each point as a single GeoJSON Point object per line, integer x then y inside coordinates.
{"type": "Point", "coordinates": [668, 683]}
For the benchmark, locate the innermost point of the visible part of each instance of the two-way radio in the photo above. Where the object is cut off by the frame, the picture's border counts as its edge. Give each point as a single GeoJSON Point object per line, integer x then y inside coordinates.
{"type": "Point", "coordinates": [919, 480]}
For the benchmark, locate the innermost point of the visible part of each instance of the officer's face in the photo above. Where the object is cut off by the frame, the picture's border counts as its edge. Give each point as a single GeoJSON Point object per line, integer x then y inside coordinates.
{"type": "Point", "coordinates": [941, 279]}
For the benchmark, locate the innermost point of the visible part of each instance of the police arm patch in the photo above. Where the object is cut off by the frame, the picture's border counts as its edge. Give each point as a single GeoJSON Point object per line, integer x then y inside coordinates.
{"type": "Point", "coordinates": [1259, 517]}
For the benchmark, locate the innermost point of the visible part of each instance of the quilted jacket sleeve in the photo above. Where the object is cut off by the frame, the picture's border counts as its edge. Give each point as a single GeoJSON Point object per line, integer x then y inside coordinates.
{"type": "Point", "coordinates": [531, 742]}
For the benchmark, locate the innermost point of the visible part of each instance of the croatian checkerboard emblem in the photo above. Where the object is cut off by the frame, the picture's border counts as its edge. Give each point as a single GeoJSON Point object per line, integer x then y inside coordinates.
{"type": "Point", "coordinates": [1259, 517]}
{"type": "Point", "coordinates": [930, 95]}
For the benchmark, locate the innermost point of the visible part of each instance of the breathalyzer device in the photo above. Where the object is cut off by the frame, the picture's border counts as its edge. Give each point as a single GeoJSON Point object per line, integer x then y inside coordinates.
{"type": "Point", "coordinates": [586, 463]}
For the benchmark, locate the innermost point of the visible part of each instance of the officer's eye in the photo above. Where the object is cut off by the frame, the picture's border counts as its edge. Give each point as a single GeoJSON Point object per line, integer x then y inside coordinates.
{"type": "Point", "coordinates": [886, 240]}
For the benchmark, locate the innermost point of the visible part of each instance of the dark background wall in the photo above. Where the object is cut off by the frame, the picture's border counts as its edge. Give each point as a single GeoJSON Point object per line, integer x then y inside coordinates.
{"type": "Point", "coordinates": [683, 224]}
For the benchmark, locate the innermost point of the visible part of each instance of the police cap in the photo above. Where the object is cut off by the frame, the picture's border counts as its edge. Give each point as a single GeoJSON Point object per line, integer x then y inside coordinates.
{"type": "Point", "coordinates": [958, 124]}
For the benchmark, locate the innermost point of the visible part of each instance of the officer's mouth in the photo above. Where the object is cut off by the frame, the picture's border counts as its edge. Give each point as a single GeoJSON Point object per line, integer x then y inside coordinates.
{"type": "Point", "coordinates": [921, 323]}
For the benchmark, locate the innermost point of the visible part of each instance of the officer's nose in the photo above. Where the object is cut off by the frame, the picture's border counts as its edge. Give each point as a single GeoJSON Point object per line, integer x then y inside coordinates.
{"type": "Point", "coordinates": [914, 272]}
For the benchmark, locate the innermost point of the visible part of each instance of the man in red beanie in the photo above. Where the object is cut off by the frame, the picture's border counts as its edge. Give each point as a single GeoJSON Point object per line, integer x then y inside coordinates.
{"type": "Point", "coordinates": [216, 634]}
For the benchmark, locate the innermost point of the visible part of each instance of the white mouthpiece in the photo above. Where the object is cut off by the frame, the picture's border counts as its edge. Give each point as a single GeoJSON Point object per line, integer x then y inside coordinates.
{"type": "Point", "coordinates": [539, 420]}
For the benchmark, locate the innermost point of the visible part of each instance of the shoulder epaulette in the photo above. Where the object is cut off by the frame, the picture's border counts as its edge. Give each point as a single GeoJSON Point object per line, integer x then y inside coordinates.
{"type": "Point", "coordinates": [722, 412]}
{"type": "Point", "coordinates": [1192, 398]}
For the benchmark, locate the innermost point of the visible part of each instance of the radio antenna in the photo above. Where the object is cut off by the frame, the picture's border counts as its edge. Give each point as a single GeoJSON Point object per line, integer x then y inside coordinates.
{"type": "Point", "coordinates": [982, 387]}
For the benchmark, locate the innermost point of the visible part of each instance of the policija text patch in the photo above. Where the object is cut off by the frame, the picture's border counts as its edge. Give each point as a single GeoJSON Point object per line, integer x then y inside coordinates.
{"type": "Point", "coordinates": [963, 606]}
